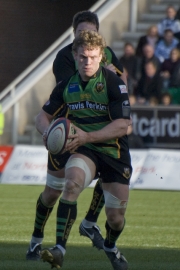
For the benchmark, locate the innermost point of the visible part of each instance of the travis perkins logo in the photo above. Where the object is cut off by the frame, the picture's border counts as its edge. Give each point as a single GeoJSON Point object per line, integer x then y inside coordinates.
{"type": "Point", "coordinates": [99, 87]}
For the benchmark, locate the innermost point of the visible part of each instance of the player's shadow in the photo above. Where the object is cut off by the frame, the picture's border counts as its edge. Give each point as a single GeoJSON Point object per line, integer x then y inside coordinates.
{"type": "Point", "coordinates": [12, 257]}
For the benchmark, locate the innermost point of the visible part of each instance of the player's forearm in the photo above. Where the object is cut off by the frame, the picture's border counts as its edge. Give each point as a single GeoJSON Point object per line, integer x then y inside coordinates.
{"type": "Point", "coordinates": [124, 78]}
{"type": "Point", "coordinates": [42, 122]}
{"type": "Point", "coordinates": [116, 129]}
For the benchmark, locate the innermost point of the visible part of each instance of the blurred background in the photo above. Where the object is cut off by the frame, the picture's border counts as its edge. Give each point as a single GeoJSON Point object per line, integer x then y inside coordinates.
{"type": "Point", "coordinates": [32, 32]}
{"type": "Point", "coordinates": [145, 36]}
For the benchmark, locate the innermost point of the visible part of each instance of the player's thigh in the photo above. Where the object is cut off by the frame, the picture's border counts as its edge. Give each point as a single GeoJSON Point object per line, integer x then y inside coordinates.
{"type": "Point", "coordinates": [80, 169]}
{"type": "Point", "coordinates": [59, 174]}
{"type": "Point", "coordinates": [116, 199]}
{"type": "Point", "coordinates": [119, 190]}
{"type": "Point", "coordinates": [55, 182]}
{"type": "Point", "coordinates": [57, 162]}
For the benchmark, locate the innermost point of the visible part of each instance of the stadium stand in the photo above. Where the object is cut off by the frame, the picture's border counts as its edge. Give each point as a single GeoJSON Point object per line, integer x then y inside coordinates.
{"type": "Point", "coordinates": [30, 91]}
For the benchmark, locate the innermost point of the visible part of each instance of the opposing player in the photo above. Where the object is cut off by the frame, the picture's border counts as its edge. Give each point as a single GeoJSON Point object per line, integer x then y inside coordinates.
{"type": "Point", "coordinates": [63, 67]}
{"type": "Point", "coordinates": [64, 64]}
{"type": "Point", "coordinates": [98, 105]}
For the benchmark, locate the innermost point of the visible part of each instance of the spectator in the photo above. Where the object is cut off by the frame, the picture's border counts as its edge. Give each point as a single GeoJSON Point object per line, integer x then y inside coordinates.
{"type": "Point", "coordinates": [166, 99]}
{"type": "Point", "coordinates": [148, 55]}
{"type": "Point", "coordinates": [153, 101]}
{"type": "Point", "coordinates": [150, 85]}
{"type": "Point", "coordinates": [178, 15]}
{"type": "Point", "coordinates": [170, 22]}
{"type": "Point", "coordinates": [132, 99]}
{"type": "Point", "coordinates": [129, 62]}
{"type": "Point", "coordinates": [165, 46]}
{"type": "Point", "coordinates": [170, 70]}
{"type": "Point", "coordinates": [150, 38]}
{"type": "Point", "coordinates": [175, 95]}
{"type": "Point", "coordinates": [174, 82]}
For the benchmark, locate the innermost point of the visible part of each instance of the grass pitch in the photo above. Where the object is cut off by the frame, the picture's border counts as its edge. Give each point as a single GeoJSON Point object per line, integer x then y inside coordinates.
{"type": "Point", "coordinates": [151, 238]}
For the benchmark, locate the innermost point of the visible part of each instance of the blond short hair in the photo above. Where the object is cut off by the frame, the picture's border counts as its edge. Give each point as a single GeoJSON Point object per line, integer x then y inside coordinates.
{"type": "Point", "coordinates": [90, 40]}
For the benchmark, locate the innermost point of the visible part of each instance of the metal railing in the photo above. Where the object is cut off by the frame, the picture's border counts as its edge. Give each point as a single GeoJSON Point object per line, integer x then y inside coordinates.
{"type": "Point", "coordinates": [10, 96]}
{"type": "Point", "coordinates": [24, 82]}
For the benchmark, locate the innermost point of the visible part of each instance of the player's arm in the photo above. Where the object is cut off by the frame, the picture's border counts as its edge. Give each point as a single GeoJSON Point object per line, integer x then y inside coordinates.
{"type": "Point", "coordinates": [50, 109]}
{"type": "Point", "coordinates": [118, 67]}
{"type": "Point", "coordinates": [42, 121]}
{"type": "Point", "coordinates": [116, 129]}
{"type": "Point", "coordinates": [64, 64]}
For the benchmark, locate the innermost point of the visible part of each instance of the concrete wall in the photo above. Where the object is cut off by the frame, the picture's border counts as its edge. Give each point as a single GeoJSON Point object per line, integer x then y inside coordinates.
{"type": "Point", "coordinates": [28, 28]}
{"type": "Point", "coordinates": [116, 22]}
{"type": "Point", "coordinates": [111, 28]}
{"type": "Point", "coordinates": [29, 106]}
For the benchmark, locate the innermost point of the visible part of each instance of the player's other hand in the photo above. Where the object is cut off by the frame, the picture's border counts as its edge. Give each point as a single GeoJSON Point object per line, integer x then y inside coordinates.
{"type": "Point", "coordinates": [44, 137]}
{"type": "Point", "coordinates": [79, 138]}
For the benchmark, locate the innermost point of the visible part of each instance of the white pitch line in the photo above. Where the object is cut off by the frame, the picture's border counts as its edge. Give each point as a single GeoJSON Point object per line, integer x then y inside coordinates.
{"type": "Point", "coordinates": [153, 227]}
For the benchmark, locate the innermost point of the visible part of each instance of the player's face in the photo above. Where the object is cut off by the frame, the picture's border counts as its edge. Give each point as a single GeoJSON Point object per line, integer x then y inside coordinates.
{"type": "Point", "coordinates": [84, 26]}
{"type": "Point", "coordinates": [88, 61]}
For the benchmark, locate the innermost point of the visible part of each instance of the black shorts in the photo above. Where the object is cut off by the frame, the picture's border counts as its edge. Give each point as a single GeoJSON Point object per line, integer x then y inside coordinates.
{"type": "Point", "coordinates": [107, 168]}
{"type": "Point", "coordinates": [57, 162]}
{"type": "Point", "coordinates": [110, 169]}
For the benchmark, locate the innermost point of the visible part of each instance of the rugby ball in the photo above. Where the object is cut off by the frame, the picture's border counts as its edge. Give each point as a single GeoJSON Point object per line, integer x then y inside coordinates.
{"type": "Point", "coordinates": [57, 135]}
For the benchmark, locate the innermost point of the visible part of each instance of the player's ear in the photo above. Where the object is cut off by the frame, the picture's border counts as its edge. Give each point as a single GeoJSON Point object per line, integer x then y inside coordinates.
{"type": "Point", "coordinates": [75, 55]}
{"type": "Point", "coordinates": [100, 57]}
{"type": "Point", "coordinates": [74, 32]}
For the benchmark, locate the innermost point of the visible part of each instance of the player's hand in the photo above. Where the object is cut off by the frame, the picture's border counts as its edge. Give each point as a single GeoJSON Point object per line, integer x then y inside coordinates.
{"type": "Point", "coordinates": [130, 121]}
{"type": "Point", "coordinates": [79, 138]}
{"type": "Point", "coordinates": [111, 67]}
{"type": "Point", "coordinates": [44, 137]}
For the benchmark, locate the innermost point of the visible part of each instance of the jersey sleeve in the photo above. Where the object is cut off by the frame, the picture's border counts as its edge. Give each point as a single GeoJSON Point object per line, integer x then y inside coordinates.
{"type": "Point", "coordinates": [116, 62]}
{"type": "Point", "coordinates": [119, 105]}
{"type": "Point", "coordinates": [55, 105]}
{"type": "Point", "coordinates": [64, 64]}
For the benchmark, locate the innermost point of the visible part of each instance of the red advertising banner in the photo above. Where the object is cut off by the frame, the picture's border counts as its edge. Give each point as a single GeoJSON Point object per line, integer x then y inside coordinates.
{"type": "Point", "coordinates": [5, 153]}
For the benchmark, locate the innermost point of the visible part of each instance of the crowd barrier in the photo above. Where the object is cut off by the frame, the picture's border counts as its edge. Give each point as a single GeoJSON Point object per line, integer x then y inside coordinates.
{"type": "Point", "coordinates": [157, 169]}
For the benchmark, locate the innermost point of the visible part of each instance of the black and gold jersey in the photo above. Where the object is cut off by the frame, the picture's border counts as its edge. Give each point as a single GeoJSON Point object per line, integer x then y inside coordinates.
{"type": "Point", "coordinates": [93, 105]}
{"type": "Point", "coordinates": [64, 64]}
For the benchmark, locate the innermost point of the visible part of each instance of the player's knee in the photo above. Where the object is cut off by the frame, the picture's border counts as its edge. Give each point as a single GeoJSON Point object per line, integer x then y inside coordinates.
{"type": "Point", "coordinates": [112, 201]}
{"type": "Point", "coordinates": [72, 186]}
{"type": "Point", "coordinates": [81, 175]}
{"type": "Point", "coordinates": [55, 182]}
{"type": "Point", "coordinates": [115, 218]}
{"type": "Point", "coordinates": [115, 209]}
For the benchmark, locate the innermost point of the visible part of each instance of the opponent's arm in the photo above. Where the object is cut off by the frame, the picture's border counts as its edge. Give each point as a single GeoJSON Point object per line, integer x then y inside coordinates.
{"type": "Point", "coordinates": [116, 66]}
{"type": "Point", "coordinates": [124, 78]}
{"type": "Point", "coordinates": [64, 64]}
